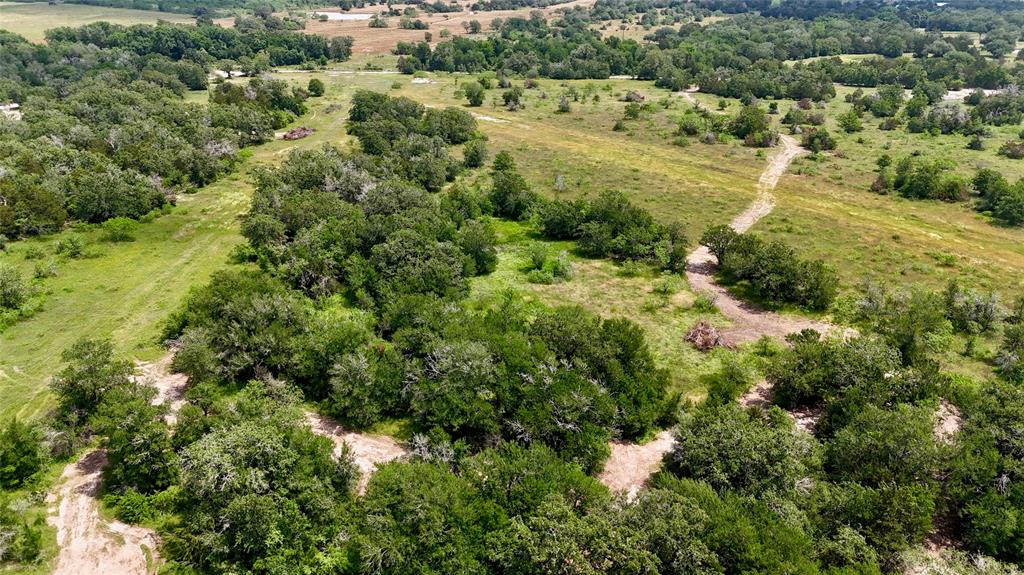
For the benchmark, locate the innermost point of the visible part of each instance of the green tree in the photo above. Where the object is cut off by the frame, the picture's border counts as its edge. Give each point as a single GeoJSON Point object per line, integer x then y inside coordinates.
{"type": "Point", "coordinates": [91, 370]}
{"type": "Point", "coordinates": [474, 93]}
{"type": "Point", "coordinates": [315, 87]}
{"type": "Point", "coordinates": [21, 453]}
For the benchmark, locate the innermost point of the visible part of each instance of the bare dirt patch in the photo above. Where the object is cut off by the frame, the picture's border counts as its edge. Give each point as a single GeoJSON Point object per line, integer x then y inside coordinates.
{"type": "Point", "coordinates": [947, 421]}
{"type": "Point", "coordinates": [805, 418]}
{"type": "Point", "coordinates": [631, 464]}
{"type": "Point", "coordinates": [90, 544]}
{"type": "Point", "coordinates": [170, 387]}
{"type": "Point", "coordinates": [367, 451]}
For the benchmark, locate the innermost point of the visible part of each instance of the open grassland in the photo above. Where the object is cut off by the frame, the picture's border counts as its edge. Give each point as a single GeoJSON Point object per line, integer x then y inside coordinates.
{"type": "Point", "coordinates": [32, 20]}
{"type": "Point", "coordinates": [826, 208]}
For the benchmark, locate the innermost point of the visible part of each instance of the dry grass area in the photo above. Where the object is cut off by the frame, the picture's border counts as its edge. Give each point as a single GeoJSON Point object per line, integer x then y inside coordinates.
{"type": "Point", "coordinates": [382, 40]}
{"type": "Point", "coordinates": [32, 20]}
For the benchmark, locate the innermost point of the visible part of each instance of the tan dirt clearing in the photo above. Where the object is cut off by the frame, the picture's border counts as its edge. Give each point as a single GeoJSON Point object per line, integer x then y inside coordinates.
{"type": "Point", "coordinates": [367, 451]}
{"type": "Point", "coordinates": [89, 543]}
{"type": "Point", "coordinates": [631, 465]}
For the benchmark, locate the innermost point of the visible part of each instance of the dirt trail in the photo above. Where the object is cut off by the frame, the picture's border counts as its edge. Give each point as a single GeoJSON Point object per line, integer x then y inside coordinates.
{"type": "Point", "coordinates": [90, 544]}
{"type": "Point", "coordinates": [631, 465]}
{"type": "Point", "coordinates": [750, 322]}
{"type": "Point", "coordinates": [368, 451]}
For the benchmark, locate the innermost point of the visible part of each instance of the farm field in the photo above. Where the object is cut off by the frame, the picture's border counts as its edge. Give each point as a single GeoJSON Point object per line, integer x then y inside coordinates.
{"type": "Point", "coordinates": [33, 19]}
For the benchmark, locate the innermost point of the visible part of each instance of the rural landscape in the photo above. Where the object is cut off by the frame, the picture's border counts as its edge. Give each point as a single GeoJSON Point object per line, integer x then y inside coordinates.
{"type": "Point", "coordinates": [516, 287]}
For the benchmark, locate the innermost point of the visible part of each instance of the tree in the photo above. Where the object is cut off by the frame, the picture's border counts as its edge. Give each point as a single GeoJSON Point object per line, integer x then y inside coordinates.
{"type": "Point", "coordinates": [315, 87]}
{"type": "Point", "coordinates": [474, 93]}
{"type": "Point", "coordinates": [750, 120]}
{"type": "Point", "coordinates": [421, 518]}
{"type": "Point", "coordinates": [139, 452]}
{"type": "Point", "coordinates": [732, 449]}
{"type": "Point", "coordinates": [21, 454]}
{"type": "Point", "coordinates": [339, 48]}
{"type": "Point", "coordinates": [474, 153]}
{"type": "Point", "coordinates": [90, 372]}
{"type": "Point", "coordinates": [557, 540]}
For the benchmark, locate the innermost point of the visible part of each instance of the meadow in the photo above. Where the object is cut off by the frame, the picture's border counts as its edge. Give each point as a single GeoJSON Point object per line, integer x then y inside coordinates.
{"type": "Point", "coordinates": [32, 20]}
{"type": "Point", "coordinates": [823, 207]}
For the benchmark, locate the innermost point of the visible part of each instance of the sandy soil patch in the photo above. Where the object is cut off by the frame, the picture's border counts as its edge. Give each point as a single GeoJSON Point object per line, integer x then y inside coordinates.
{"type": "Point", "coordinates": [170, 387]}
{"type": "Point", "coordinates": [631, 465]}
{"type": "Point", "coordinates": [89, 544]}
{"type": "Point", "coordinates": [947, 421]}
{"type": "Point", "coordinates": [367, 451]}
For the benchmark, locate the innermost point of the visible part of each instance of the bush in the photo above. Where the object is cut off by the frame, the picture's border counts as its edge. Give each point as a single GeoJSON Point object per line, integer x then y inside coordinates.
{"type": "Point", "coordinates": [120, 229]}
{"type": "Point", "coordinates": [21, 454]}
{"type": "Point", "coordinates": [474, 153]}
{"type": "Point", "coordinates": [773, 269]}
{"type": "Point", "coordinates": [537, 254]}
{"type": "Point", "coordinates": [474, 92]}
{"type": "Point", "coordinates": [315, 87]}
{"type": "Point", "coordinates": [13, 290]}
{"type": "Point", "coordinates": [1012, 149]}
{"type": "Point", "coordinates": [71, 246]}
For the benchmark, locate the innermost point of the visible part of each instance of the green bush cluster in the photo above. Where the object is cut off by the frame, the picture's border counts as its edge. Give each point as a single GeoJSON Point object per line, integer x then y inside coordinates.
{"type": "Point", "coordinates": [773, 269]}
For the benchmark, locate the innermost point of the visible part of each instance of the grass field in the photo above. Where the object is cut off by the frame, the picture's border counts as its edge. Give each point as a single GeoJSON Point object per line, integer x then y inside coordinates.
{"type": "Point", "coordinates": [125, 290]}
{"type": "Point", "coordinates": [31, 20]}
{"type": "Point", "coordinates": [824, 209]}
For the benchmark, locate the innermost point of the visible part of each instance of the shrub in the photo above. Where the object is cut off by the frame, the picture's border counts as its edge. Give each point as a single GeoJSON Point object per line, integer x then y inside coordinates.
{"type": "Point", "coordinates": [13, 290]}
{"type": "Point", "coordinates": [537, 254]}
{"type": "Point", "coordinates": [21, 454]}
{"type": "Point", "coordinates": [315, 87]}
{"type": "Point", "coordinates": [120, 229]}
{"type": "Point", "coordinates": [1012, 149]}
{"type": "Point", "coordinates": [71, 246]}
{"type": "Point", "coordinates": [474, 153]}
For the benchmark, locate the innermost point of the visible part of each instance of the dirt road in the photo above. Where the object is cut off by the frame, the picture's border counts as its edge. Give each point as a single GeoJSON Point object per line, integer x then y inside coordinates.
{"type": "Point", "coordinates": [750, 322]}
{"type": "Point", "coordinates": [89, 543]}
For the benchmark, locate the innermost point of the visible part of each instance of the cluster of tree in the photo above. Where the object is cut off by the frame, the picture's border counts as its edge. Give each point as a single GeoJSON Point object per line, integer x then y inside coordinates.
{"type": "Point", "coordinates": [105, 132]}
{"type": "Point", "coordinates": [199, 8]}
{"type": "Point", "coordinates": [611, 226]}
{"type": "Point", "coordinates": [205, 44]}
{"type": "Point", "coordinates": [997, 196]}
{"type": "Point", "coordinates": [916, 177]}
{"type": "Point", "coordinates": [773, 270]}
{"type": "Point", "coordinates": [407, 140]}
